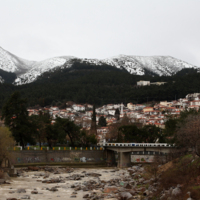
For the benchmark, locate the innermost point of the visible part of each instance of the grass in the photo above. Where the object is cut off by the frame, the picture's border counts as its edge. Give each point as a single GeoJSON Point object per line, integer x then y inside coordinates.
{"type": "Point", "coordinates": [185, 171]}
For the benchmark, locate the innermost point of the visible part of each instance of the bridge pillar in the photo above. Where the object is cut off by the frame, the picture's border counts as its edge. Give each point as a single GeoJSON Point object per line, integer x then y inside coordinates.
{"type": "Point", "coordinates": [124, 159]}
{"type": "Point", "coordinates": [110, 157]}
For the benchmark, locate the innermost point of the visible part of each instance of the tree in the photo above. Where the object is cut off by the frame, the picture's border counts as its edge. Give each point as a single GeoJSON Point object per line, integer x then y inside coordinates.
{"type": "Point", "coordinates": [173, 124]}
{"type": "Point", "coordinates": [94, 122]}
{"type": "Point", "coordinates": [117, 114]}
{"type": "Point", "coordinates": [43, 129]}
{"type": "Point", "coordinates": [86, 139]}
{"type": "Point", "coordinates": [151, 134]}
{"type": "Point", "coordinates": [130, 133]}
{"type": "Point", "coordinates": [188, 134]}
{"type": "Point", "coordinates": [102, 121]}
{"type": "Point", "coordinates": [15, 114]}
{"type": "Point", "coordinates": [135, 133]}
{"type": "Point", "coordinates": [65, 128]}
{"type": "Point", "coordinates": [6, 142]}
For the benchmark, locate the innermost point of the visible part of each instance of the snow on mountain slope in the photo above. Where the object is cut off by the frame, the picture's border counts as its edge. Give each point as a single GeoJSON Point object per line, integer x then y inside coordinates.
{"type": "Point", "coordinates": [29, 71]}
{"type": "Point", "coordinates": [1, 80]}
{"type": "Point", "coordinates": [12, 63]}
{"type": "Point", "coordinates": [40, 67]}
{"type": "Point", "coordinates": [160, 65]}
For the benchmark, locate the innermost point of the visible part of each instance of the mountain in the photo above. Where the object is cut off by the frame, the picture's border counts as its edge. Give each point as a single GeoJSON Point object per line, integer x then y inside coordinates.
{"type": "Point", "coordinates": [28, 71]}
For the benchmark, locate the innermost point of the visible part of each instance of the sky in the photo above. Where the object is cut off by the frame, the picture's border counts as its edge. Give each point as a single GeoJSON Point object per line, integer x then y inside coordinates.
{"type": "Point", "coordinates": [41, 29]}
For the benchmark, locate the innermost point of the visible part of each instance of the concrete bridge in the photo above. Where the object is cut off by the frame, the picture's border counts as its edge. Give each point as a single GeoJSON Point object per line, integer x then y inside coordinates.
{"type": "Point", "coordinates": [125, 154]}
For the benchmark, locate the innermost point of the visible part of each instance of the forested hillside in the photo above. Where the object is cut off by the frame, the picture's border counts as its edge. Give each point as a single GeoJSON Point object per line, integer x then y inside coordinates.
{"type": "Point", "coordinates": [87, 83]}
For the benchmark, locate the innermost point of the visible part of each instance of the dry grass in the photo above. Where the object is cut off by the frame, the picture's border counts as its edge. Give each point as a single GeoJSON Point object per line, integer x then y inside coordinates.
{"type": "Point", "coordinates": [184, 171]}
{"type": "Point", "coordinates": [165, 167]}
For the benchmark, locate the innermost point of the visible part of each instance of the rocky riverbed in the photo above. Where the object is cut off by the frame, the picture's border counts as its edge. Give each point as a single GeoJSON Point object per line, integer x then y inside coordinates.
{"type": "Point", "coordinates": [58, 183]}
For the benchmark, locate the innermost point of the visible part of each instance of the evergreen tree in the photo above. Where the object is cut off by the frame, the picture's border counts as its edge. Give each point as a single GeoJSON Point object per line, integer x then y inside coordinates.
{"type": "Point", "coordinates": [16, 118]}
{"type": "Point", "coordinates": [93, 122]}
{"type": "Point", "coordinates": [41, 123]}
{"type": "Point", "coordinates": [102, 121]}
{"type": "Point", "coordinates": [117, 114]}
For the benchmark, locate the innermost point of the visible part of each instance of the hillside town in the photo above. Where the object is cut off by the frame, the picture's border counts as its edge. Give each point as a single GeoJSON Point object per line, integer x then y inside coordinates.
{"type": "Point", "coordinates": [145, 114]}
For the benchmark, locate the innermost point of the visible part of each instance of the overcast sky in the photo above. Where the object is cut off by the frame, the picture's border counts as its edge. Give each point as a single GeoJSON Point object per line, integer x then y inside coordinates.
{"type": "Point", "coordinates": [40, 29]}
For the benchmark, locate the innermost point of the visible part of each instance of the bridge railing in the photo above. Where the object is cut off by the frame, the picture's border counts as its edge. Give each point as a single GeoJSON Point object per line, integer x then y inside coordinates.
{"type": "Point", "coordinates": [135, 145]}
{"type": "Point", "coordinates": [17, 148]}
{"type": "Point", "coordinates": [148, 153]}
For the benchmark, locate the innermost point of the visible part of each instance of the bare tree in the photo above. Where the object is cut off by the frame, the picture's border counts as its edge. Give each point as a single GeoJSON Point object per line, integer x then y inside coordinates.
{"type": "Point", "coordinates": [113, 133]}
{"type": "Point", "coordinates": [188, 134]}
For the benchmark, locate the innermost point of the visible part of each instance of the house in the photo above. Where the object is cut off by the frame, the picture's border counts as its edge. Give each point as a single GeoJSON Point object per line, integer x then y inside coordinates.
{"type": "Point", "coordinates": [165, 103]}
{"type": "Point", "coordinates": [130, 106]}
{"type": "Point", "coordinates": [148, 109]}
{"type": "Point", "coordinates": [111, 112]}
{"type": "Point", "coordinates": [195, 103]}
{"type": "Point", "coordinates": [77, 107]}
{"type": "Point", "coordinates": [158, 83]}
{"type": "Point", "coordinates": [194, 96]}
{"type": "Point", "coordinates": [32, 112]}
{"type": "Point", "coordinates": [54, 108]}
{"type": "Point", "coordinates": [143, 83]}
{"type": "Point", "coordinates": [88, 113]}
{"type": "Point", "coordinates": [194, 107]}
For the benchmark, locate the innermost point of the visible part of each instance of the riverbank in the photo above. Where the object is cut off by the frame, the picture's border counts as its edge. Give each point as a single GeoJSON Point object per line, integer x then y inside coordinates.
{"type": "Point", "coordinates": [65, 164]}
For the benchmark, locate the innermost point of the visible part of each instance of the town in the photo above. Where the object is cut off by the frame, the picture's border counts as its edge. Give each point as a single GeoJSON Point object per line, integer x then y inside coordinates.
{"type": "Point", "coordinates": [145, 114]}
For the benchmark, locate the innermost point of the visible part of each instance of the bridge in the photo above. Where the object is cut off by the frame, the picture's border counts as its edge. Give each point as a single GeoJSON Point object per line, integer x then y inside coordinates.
{"type": "Point", "coordinates": [124, 154]}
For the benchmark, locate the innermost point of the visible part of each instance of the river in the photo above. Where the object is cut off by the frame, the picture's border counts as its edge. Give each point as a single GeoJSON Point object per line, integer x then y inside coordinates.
{"type": "Point", "coordinates": [32, 181]}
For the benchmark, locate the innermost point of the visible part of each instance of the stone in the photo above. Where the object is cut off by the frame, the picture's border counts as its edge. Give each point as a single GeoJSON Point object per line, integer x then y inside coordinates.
{"type": "Point", "coordinates": [146, 181]}
{"type": "Point", "coordinates": [125, 195]}
{"type": "Point", "coordinates": [110, 189]}
{"type": "Point", "coordinates": [128, 186]}
{"type": "Point", "coordinates": [33, 168]}
{"type": "Point", "coordinates": [176, 191]}
{"type": "Point", "coordinates": [53, 189]}
{"type": "Point", "coordinates": [25, 197]}
{"type": "Point", "coordinates": [34, 192]}
{"type": "Point", "coordinates": [146, 193]}
{"type": "Point", "coordinates": [21, 190]}
{"type": "Point", "coordinates": [86, 196]}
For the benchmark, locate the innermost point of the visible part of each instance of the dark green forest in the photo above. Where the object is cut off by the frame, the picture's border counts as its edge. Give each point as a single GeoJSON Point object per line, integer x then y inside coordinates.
{"type": "Point", "coordinates": [88, 83]}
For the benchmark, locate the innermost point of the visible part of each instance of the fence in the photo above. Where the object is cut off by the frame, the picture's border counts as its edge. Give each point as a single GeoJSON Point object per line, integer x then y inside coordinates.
{"type": "Point", "coordinates": [37, 148]}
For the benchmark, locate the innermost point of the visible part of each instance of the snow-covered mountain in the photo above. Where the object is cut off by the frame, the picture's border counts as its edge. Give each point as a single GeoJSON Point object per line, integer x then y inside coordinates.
{"type": "Point", "coordinates": [29, 71]}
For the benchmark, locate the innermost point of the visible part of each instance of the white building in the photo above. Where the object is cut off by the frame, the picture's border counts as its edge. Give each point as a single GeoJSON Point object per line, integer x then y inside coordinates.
{"type": "Point", "coordinates": [143, 83]}
{"type": "Point", "coordinates": [77, 107]}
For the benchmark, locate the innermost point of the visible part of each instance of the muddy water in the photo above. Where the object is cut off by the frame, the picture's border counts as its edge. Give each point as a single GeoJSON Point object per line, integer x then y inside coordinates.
{"type": "Point", "coordinates": [30, 182]}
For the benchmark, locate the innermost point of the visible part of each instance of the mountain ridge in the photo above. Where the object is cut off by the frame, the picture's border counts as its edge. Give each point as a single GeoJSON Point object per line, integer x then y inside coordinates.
{"type": "Point", "coordinates": [28, 71]}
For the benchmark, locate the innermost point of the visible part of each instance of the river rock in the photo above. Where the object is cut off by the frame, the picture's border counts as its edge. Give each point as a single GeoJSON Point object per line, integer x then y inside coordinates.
{"type": "Point", "coordinates": [33, 168]}
{"type": "Point", "coordinates": [21, 190]}
{"type": "Point", "coordinates": [140, 180]}
{"type": "Point", "coordinates": [25, 197]}
{"type": "Point", "coordinates": [110, 189]}
{"type": "Point", "coordinates": [146, 193]}
{"type": "Point", "coordinates": [34, 192]}
{"type": "Point", "coordinates": [53, 189]}
{"type": "Point", "coordinates": [128, 186]}
{"type": "Point", "coordinates": [176, 191]}
{"type": "Point", "coordinates": [125, 195]}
